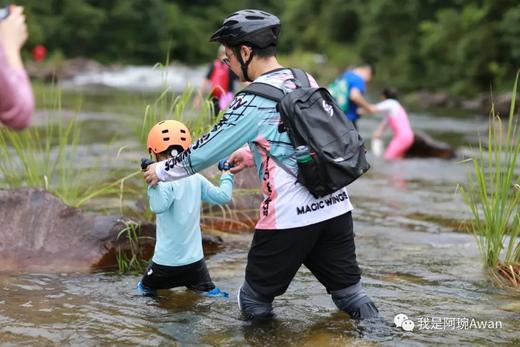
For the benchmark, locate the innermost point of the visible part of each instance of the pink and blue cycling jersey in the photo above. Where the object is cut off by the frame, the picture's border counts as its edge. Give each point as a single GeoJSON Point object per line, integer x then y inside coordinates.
{"type": "Point", "coordinates": [254, 120]}
{"type": "Point", "coordinates": [16, 98]}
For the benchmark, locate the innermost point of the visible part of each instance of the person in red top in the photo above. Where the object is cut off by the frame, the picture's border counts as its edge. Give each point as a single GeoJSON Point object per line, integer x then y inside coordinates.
{"type": "Point", "coordinates": [219, 82]}
{"type": "Point", "coordinates": [39, 53]}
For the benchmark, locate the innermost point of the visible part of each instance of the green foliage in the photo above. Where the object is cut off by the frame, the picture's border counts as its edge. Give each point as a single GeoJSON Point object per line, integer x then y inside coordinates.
{"type": "Point", "coordinates": [415, 43]}
{"type": "Point", "coordinates": [41, 158]}
{"type": "Point", "coordinates": [131, 259]}
{"type": "Point", "coordinates": [493, 192]}
{"type": "Point", "coordinates": [47, 157]}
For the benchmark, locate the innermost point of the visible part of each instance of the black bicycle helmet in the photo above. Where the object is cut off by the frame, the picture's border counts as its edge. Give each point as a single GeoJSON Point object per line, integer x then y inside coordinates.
{"type": "Point", "coordinates": [250, 27]}
{"type": "Point", "coordinates": [254, 28]}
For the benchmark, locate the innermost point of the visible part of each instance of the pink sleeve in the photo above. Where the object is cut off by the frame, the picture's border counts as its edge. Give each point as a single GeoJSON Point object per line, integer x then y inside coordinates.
{"type": "Point", "coordinates": [248, 156]}
{"type": "Point", "coordinates": [16, 98]}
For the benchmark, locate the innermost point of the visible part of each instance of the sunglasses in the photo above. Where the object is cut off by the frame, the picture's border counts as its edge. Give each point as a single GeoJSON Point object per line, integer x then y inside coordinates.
{"type": "Point", "coordinates": [226, 61]}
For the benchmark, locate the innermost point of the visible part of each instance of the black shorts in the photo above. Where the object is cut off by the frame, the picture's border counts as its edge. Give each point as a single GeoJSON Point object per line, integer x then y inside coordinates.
{"type": "Point", "coordinates": [194, 276]}
{"type": "Point", "coordinates": [327, 249]}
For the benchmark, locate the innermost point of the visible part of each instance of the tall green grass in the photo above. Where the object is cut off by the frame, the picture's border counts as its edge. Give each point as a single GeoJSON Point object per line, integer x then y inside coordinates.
{"type": "Point", "coordinates": [493, 192]}
{"type": "Point", "coordinates": [47, 157]}
{"type": "Point", "coordinates": [132, 259]}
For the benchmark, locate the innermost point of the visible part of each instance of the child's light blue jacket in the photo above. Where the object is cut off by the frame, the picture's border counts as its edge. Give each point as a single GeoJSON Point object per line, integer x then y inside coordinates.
{"type": "Point", "coordinates": [177, 206]}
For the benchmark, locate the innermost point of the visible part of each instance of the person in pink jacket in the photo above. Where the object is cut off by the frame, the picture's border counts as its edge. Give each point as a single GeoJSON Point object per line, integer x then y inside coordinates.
{"type": "Point", "coordinates": [16, 98]}
{"type": "Point", "coordinates": [397, 118]}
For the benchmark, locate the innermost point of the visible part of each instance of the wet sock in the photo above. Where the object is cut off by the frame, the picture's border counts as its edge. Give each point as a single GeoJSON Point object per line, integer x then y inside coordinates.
{"type": "Point", "coordinates": [145, 291]}
{"type": "Point", "coordinates": [215, 293]}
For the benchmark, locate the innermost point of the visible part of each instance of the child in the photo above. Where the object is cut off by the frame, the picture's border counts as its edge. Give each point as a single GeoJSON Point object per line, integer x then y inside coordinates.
{"type": "Point", "coordinates": [178, 258]}
{"type": "Point", "coordinates": [397, 118]}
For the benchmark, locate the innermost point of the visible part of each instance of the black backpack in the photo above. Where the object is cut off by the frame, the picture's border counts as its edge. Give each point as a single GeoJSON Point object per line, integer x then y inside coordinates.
{"type": "Point", "coordinates": [311, 117]}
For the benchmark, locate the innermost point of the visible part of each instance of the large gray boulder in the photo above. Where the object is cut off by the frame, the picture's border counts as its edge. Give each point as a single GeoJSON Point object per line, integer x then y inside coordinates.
{"type": "Point", "coordinates": [40, 233]}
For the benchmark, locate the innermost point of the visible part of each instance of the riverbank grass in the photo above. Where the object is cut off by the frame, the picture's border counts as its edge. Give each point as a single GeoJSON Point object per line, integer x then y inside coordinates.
{"type": "Point", "coordinates": [48, 157]}
{"type": "Point", "coordinates": [493, 196]}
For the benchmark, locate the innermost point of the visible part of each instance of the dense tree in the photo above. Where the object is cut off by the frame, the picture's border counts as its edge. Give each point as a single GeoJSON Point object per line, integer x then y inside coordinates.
{"type": "Point", "coordinates": [460, 45]}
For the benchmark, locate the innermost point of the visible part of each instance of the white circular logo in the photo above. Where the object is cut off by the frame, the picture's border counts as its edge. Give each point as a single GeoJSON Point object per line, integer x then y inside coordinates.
{"type": "Point", "coordinates": [399, 319]}
{"type": "Point", "coordinates": [408, 325]}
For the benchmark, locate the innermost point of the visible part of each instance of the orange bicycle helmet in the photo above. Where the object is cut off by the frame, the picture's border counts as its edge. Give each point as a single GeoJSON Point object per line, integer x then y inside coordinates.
{"type": "Point", "coordinates": [168, 133]}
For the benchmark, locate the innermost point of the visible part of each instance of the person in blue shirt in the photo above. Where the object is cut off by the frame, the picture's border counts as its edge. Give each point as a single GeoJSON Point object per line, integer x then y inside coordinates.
{"type": "Point", "coordinates": [357, 80]}
{"type": "Point", "coordinates": [178, 258]}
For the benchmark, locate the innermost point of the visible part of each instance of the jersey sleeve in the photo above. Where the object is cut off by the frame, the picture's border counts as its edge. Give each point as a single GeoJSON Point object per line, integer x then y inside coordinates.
{"type": "Point", "coordinates": [384, 106]}
{"type": "Point", "coordinates": [239, 125]}
{"type": "Point", "coordinates": [217, 195]}
{"type": "Point", "coordinates": [389, 106]}
{"type": "Point", "coordinates": [161, 197]}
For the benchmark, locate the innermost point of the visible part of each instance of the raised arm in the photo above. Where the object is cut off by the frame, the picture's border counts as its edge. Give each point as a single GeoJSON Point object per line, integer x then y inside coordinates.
{"type": "Point", "coordinates": [238, 126]}
{"type": "Point", "coordinates": [217, 195]}
{"type": "Point", "coordinates": [358, 98]}
{"type": "Point", "coordinates": [380, 129]}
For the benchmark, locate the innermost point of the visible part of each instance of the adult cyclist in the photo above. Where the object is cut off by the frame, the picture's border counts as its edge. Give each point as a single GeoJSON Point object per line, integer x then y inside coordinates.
{"type": "Point", "coordinates": [294, 227]}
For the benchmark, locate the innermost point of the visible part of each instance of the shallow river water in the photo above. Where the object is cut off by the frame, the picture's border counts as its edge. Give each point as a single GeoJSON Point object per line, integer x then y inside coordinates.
{"type": "Point", "coordinates": [415, 261]}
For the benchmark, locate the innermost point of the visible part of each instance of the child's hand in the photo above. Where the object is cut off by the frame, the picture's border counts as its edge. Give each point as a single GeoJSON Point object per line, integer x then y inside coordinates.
{"type": "Point", "coordinates": [150, 176]}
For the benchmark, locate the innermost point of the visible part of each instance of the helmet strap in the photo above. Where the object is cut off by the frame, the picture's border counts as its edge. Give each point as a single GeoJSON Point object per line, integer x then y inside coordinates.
{"type": "Point", "coordinates": [245, 65]}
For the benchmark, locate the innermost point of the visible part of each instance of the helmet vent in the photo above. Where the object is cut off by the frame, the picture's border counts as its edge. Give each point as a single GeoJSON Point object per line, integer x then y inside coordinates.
{"type": "Point", "coordinates": [230, 23]}
{"type": "Point", "coordinates": [166, 139]}
{"type": "Point", "coordinates": [183, 139]}
{"type": "Point", "coordinates": [183, 131]}
{"type": "Point", "coordinates": [165, 131]}
{"type": "Point", "coordinates": [254, 17]}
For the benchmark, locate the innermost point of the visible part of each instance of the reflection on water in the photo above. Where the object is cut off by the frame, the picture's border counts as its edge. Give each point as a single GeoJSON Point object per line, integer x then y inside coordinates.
{"type": "Point", "coordinates": [412, 264]}
{"type": "Point", "coordinates": [417, 273]}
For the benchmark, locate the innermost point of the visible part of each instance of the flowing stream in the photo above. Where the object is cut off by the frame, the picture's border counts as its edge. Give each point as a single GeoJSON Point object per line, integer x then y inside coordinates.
{"type": "Point", "coordinates": [415, 260]}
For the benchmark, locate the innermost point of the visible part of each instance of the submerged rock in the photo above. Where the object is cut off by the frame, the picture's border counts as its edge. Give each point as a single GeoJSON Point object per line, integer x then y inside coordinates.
{"type": "Point", "coordinates": [424, 146]}
{"type": "Point", "coordinates": [38, 232]}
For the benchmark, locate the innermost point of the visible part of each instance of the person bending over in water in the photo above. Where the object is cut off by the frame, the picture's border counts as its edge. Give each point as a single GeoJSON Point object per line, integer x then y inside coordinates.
{"type": "Point", "coordinates": [397, 118]}
{"type": "Point", "coordinates": [178, 258]}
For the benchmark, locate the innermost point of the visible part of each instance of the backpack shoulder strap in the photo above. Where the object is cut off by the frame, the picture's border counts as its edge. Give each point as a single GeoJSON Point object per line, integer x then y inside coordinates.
{"type": "Point", "coordinates": [278, 162]}
{"type": "Point", "coordinates": [301, 76]}
{"type": "Point", "coordinates": [271, 92]}
{"type": "Point", "coordinates": [265, 90]}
